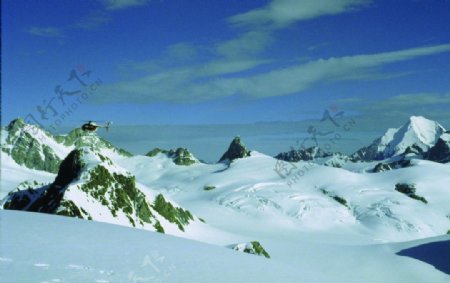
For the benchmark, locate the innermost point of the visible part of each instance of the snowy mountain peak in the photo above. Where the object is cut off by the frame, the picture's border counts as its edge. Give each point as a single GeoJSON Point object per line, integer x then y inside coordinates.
{"type": "Point", "coordinates": [417, 136]}
{"type": "Point", "coordinates": [440, 152]}
{"type": "Point", "coordinates": [236, 150]}
{"type": "Point", "coordinates": [306, 154]}
{"type": "Point", "coordinates": [180, 156]}
{"type": "Point", "coordinates": [33, 147]}
{"type": "Point", "coordinates": [91, 186]}
{"type": "Point", "coordinates": [18, 122]}
{"type": "Point", "coordinates": [426, 131]}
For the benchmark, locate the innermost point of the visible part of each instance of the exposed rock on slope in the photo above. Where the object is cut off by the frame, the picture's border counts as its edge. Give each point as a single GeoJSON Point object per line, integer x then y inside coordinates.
{"type": "Point", "coordinates": [418, 135]}
{"type": "Point", "coordinates": [180, 156]}
{"type": "Point", "coordinates": [90, 186]}
{"type": "Point", "coordinates": [35, 148]}
{"type": "Point", "coordinates": [21, 142]}
{"type": "Point", "coordinates": [303, 154]}
{"type": "Point", "coordinates": [440, 152]}
{"type": "Point", "coordinates": [236, 150]}
{"type": "Point", "coordinates": [253, 247]}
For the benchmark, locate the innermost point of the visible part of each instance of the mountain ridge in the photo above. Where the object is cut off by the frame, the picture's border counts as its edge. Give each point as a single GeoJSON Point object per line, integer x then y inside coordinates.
{"type": "Point", "coordinates": [90, 186]}
{"type": "Point", "coordinates": [37, 148]}
{"type": "Point", "coordinates": [417, 132]}
{"type": "Point", "coordinates": [95, 182]}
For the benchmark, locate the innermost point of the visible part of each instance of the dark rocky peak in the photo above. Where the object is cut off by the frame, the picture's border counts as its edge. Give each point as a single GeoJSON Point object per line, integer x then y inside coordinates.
{"type": "Point", "coordinates": [15, 124]}
{"type": "Point", "coordinates": [69, 169]}
{"type": "Point", "coordinates": [236, 150]}
{"type": "Point", "coordinates": [440, 152]}
{"type": "Point", "coordinates": [310, 153]}
{"type": "Point", "coordinates": [180, 156]}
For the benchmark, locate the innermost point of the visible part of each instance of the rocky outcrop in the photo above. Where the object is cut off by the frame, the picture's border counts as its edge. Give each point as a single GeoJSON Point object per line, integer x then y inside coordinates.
{"type": "Point", "coordinates": [26, 145]}
{"type": "Point", "coordinates": [440, 152]}
{"type": "Point", "coordinates": [236, 150]}
{"type": "Point", "coordinates": [307, 154]}
{"type": "Point", "coordinates": [180, 156]}
{"type": "Point", "coordinates": [253, 247]}
{"type": "Point", "coordinates": [90, 186]}
{"type": "Point", "coordinates": [416, 136]}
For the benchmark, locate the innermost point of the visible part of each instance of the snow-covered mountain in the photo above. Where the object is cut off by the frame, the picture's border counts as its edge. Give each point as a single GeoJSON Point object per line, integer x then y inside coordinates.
{"type": "Point", "coordinates": [315, 155]}
{"type": "Point", "coordinates": [35, 148]}
{"type": "Point", "coordinates": [440, 152]}
{"type": "Point", "coordinates": [416, 136]}
{"type": "Point", "coordinates": [296, 155]}
{"type": "Point", "coordinates": [45, 248]}
{"type": "Point", "coordinates": [109, 186]}
{"type": "Point", "coordinates": [32, 147]}
{"type": "Point", "coordinates": [180, 156]}
{"type": "Point", "coordinates": [245, 204]}
{"type": "Point", "coordinates": [235, 151]}
{"type": "Point", "coordinates": [89, 185]}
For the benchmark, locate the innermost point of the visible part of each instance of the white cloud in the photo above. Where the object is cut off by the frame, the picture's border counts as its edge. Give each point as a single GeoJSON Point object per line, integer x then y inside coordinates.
{"type": "Point", "coordinates": [123, 4]}
{"type": "Point", "coordinates": [181, 51]}
{"type": "Point", "coordinates": [223, 67]}
{"type": "Point", "coordinates": [247, 44]}
{"type": "Point", "coordinates": [301, 77]}
{"type": "Point", "coordinates": [398, 108]}
{"type": "Point", "coordinates": [94, 20]}
{"type": "Point", "coordinates": [280, 13]}
{"type": "Point", "coordinates": [45, 31]}
{"type": "Point", "coordinates": [193, 84]}
{"type": "Point", "coordinates": [262, 22]}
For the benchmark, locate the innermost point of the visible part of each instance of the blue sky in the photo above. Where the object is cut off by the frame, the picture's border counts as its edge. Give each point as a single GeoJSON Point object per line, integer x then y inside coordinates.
{"type": "Point", "coordinates": [216, 62]}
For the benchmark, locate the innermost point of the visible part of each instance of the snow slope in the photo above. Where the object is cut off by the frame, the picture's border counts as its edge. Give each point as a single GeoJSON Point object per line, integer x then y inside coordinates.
{"type": "Point", "coordinates": [418, 132]}
{"type": "Point", "coordinates": [318, 223]}
{"type": "Point", "coordinates": [33, 147]}
{"type": "Point", "coordinates": [46, 248]}
{"type": "Point", "coordinates": [91, 186]}
{"type": "Point", "coordinates": [250, 195]}
{"type": "Point", "coordinates": [12, 174]}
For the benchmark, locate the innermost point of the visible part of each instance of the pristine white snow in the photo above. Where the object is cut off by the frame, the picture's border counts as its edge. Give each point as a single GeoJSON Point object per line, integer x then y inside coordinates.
{"type": "Point", "coordinates": [46, 248]}
{"type": "Point", "coordinates": [60, 150]}
{"type": "Point", "coordinates": [445, 137]}
{"type": "Point", "coordinates": [3, 136]}
{"type": "Point", "coordinates": [12, 174]}
{"type": "Point", "coordinates": [300, 220]}
{"type": "Point", "coordinates": [417, 131]}
{"type": "Point", "coordinates": [251, 193]}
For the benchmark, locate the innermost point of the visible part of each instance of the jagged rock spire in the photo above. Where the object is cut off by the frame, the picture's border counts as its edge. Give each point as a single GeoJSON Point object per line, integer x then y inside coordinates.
{"type": "Point", "coordinates": [236, 150]}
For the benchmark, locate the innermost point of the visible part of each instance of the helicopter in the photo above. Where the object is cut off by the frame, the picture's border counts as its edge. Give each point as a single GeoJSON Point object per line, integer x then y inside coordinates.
{"type": "Point", "coordinates": [91, 126]}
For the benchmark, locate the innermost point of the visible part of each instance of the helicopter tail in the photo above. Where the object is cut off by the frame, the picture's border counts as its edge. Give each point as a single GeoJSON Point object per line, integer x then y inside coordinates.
{"type": "Point", "coordinates": [107, 125]}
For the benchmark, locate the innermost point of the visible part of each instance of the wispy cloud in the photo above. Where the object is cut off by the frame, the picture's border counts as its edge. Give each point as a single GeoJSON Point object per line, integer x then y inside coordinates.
{"type": "Point", "coordinates": [193, 84]}
{"type": "Point", "coordinates": [123, 4]}
{"type": "Point", "coordinates": [94, 20]}
{"type": "Point", "coordinates": [45, 31]}
{"type": "Point", "coordinates": [280, 13]}
{"type": "Point", "coordinates": [260, 24]}
{"type": "Point", "coordinates": [398, 108]}
{"type": "Point", "coordinates": [91, 21]}
{"type": "Point", "coordinates": [301, 77]}
{"type": "Point", "coordinates": [248, 44]}
{"type": "Point", "coordinates": [223, 67]}
{"type": "Point", "coordinates": [318, 46]}
{"type": "Point", "coordinates": [400, 101]}
{"type": "Point", "coordinates": [183, 51]}
{"type": "Point", "coordinates": [408, 101]}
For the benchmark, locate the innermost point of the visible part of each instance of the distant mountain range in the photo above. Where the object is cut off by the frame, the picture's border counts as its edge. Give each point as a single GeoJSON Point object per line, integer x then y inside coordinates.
{"type": "Point", "coordinates": [92, 179]}
{"type": "Point", "coordinates": [418, 138]}
{"type": "Point", "coordinates": [89, 184]}
{"type": "Point", "coordinates": [35, 148]}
